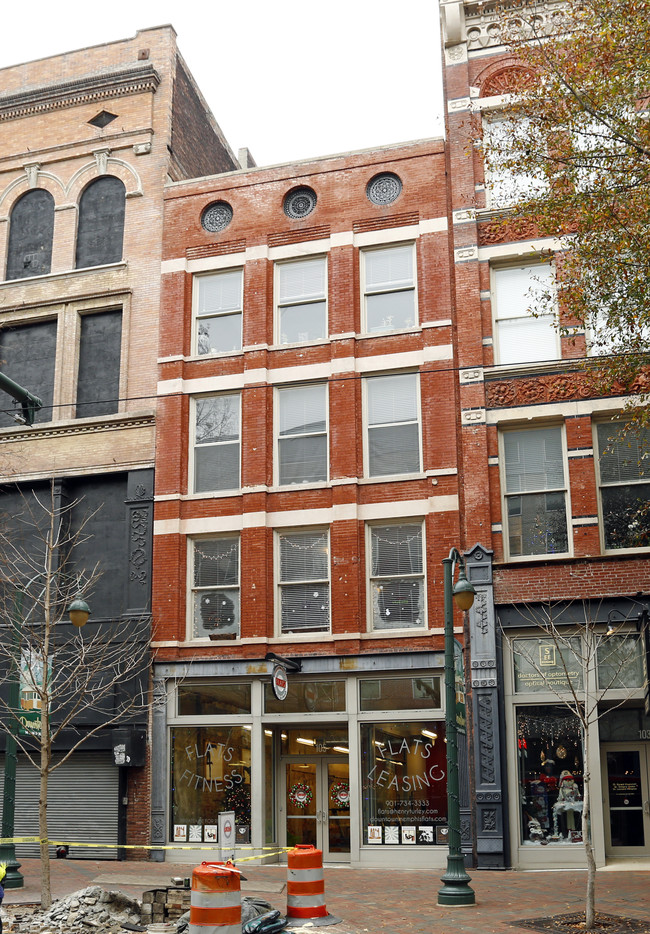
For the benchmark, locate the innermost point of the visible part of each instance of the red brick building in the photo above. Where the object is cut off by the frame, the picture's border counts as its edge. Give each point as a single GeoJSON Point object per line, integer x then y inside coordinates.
{"type": "Point", "coordinates": [558, 508]}
{"type": "Point", "coordinates": [307, 490]}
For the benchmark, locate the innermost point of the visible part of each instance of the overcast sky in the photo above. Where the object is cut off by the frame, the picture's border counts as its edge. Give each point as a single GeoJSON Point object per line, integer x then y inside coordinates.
{"type": "Point", "coordinates": [290, 79]}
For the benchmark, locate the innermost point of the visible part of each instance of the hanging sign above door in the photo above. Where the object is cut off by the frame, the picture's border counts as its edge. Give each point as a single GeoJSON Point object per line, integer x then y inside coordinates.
{"type": "Point", "coordinates": [280, 682]}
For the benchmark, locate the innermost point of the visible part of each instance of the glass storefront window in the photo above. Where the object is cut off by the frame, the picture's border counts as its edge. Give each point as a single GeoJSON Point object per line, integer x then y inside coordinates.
{"type": "Point", "coordinates": [550, 776]}
{"type": "Point", "coordinates": [543, 665]}
{"type": "Point", "coordinates": [620, 662]}
{"type": "Point", "coordinates": [213, 699]}
{"type": "Point", "coordinates": [315, 741]}
{"type": "Point", "coordinates": [210, 772]}
{"type": "Point", "coordinates": [399, 693]}
{"type": "Point", "coordinates": [307, 697]}
{"type": "Point", "coordinates": [404, 783]}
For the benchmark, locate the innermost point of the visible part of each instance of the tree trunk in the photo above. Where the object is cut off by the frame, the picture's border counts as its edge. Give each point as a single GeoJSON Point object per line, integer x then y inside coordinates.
{"type": "Point", "coordinates": [46, 891]}
{"type": "Point", "coordinates": [590, 902]}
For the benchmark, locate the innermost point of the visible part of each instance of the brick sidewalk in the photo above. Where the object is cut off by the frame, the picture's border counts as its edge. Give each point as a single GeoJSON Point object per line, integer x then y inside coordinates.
{"type": "Point", "coordinates": [379, 901]}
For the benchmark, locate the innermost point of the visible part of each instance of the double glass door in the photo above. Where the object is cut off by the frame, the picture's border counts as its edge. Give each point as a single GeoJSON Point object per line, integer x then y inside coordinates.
{"type": "Point", "coordinates": [316, 805]}
{"type": "Point", "coordinates": [626, 768]}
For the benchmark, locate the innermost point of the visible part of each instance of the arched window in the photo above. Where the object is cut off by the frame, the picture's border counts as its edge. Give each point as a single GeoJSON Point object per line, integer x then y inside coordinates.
{"type": "Point", "coordinates": [101, 222]}
{"type": "Point", "coordinates": [30, 235]}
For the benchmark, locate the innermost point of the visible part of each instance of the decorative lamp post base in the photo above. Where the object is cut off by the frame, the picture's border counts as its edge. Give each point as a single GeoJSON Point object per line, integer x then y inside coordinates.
{"type": "Point", "coordinates": [13, 878]}
{"type": "Point", "coordinates": [456, 889]}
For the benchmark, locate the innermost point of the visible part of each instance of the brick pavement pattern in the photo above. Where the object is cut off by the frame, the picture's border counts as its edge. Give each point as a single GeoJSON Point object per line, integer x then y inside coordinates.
{"type": "Point", "coordinates": [380, 901]}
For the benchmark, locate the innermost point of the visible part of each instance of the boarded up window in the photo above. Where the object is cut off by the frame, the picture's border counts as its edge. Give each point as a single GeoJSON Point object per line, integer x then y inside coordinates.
{"type": "Point", "coordinates": [98, 382]}
{"type": "Point", "coordinates": [30, 235]}
{"type": "Point", "coordinates": [27, 355]}
{"type": "Point", "coordinates": [101, 223]}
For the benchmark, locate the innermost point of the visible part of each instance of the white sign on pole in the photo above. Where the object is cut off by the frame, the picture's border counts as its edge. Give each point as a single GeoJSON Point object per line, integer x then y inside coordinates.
{"type": "Point", "coordinates": [227, 831]}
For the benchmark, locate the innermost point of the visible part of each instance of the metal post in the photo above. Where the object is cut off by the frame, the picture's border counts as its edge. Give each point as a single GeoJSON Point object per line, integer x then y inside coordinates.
{"type": "Point", "coordinates": [13, 879]}
{"type": "Point", "coordinates": [456, 889]}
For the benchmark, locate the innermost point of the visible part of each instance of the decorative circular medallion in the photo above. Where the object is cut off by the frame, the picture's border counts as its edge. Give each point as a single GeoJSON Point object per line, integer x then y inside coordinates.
{"type": "Point", "coordinates": [299, 203]}
{"type": "Point", "coordinates": [300, 795]}
{"type": "Point", "coordinates": [216, 217]}
{"type": "Point", "coordinates": [560, 752]}
{"type": "Point", "coordinates": [340, 794]}
{"type": "Point", "coordinates": [384, 189]}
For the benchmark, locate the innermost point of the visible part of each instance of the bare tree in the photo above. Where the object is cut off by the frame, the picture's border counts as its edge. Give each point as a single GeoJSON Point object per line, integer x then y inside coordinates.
{"type": "Point", "coordinates": [75, 682]}
{"type": "Point", "coordinates": [591, 659]}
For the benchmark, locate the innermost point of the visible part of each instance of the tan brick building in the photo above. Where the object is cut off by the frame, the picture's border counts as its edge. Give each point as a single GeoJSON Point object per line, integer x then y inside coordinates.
{"type": "Point", "coordinates": [87, 141]}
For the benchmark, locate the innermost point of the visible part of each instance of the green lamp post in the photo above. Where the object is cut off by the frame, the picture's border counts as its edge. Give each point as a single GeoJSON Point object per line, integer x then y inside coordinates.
{"type": "Point", "coordinates": [78, 611]}
{"type": "Point", "coordinates": [456, 889]}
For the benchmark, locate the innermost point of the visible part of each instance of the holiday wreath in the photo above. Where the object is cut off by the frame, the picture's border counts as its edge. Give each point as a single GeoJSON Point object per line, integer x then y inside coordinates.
{"type": "Point", "coordinates": [300, 795]}
{"type": "Point", "coordinates": [340, 793]}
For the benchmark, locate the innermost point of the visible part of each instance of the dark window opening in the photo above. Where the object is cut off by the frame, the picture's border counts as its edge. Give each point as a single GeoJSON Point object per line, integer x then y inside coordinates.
{"type": "Point", "coordinates": [102, 119]}
{"type": "Point", "coordinates": [98, 380]}
{"type": "Point", "coordinates": [30, 235]}
{"type": "Point", "coordinates": [101, 223]}
{"type": "Point", "coordinates": [27, 355]}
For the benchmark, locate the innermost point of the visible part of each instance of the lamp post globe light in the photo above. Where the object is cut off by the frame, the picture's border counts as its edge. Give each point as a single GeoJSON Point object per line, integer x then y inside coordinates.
{"type": "Point", "coordinates": [78, 611]}
{"type": "Point", "coordinates": [456, 889]}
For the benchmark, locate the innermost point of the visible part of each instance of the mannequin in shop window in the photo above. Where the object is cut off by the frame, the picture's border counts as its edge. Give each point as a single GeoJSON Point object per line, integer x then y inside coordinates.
{"type": "Point", "coordinates": [567, 809]}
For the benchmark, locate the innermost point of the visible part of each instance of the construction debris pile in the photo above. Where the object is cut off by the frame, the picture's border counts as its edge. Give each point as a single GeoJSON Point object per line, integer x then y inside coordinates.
{"type": "Point", "coordinates": [90, 910]}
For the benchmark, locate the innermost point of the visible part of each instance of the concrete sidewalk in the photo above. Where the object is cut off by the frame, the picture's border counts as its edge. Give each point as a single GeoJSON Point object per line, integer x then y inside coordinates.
{"type": "Point", "coordinates": [379, 901]}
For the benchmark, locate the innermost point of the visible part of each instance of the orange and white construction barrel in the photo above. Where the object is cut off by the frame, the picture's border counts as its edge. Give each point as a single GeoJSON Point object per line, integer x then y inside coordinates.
{"type": "Point", "coordinates": [305, 883]}
{"type": "Point", "coordinates": [215, 906]}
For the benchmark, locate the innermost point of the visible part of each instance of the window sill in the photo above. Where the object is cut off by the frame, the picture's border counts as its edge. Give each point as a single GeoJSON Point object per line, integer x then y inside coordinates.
{"type": "Point", "coordinates": [525, 559]}
{"type": "Point", "coordinates": [411, 632]}
{"type": "Point", "coordinates": [64, 274]}
{"type": "Point", "coordinates": [389, 333]}
{"type": "Point", "coordinates": [318, 342]}
{"type": "Point", "coordinates": [392, 478]}
{"type": "Point", "coordinates": [638, 550]}
{"type": "Point", "coordinates": [535, 368]}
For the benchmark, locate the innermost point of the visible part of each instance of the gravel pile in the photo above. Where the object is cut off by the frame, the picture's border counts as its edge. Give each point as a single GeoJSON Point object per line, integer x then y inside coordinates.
{"type": "Point", "coordinates": [90, 910]}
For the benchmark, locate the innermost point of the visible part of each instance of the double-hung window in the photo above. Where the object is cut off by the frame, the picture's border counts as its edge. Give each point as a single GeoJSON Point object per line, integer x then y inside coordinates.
{"type": "Point", "coordinates": [301, 302]}
{"type": "Point", "coordinates": [389, 289]}
{"type": "Point", "coordinates": [392, 425]}
{"type": "Point", "coordinates": [302, 434]}
{"type": "Point", "coordinates": [507, 179]}
{"type": "Point", "coordinates": [217, 449]}
{"type": "Point", "coordinates": [304, 581]}
{"type": "Point", "coordinates": [535, 492]}
{"type": "Point", "coordinates": [397, 576]}
{"type": "Point", "coordinates": [521, 336]}
{"type": "Point", "coordinates": [624, 467]}
{"type": "Point", "coordinates": [215, 587]}
{"type": "Point", "coordinates": [218, 302]}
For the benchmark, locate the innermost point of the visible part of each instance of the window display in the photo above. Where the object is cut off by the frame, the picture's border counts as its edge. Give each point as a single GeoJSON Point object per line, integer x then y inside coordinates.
{"type": "Point", "coordinates": [550, 776]}
{"type": "Point", "coordinates": [404, 782]}
{"type": "Point", "coordinates": [210, 772]}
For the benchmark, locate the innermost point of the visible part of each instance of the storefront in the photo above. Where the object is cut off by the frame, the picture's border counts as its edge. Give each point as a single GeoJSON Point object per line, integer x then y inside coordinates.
{"type": "Point", "coordinates": [546, 680]}
{"type": "Point", "coordinates": [353, 760]}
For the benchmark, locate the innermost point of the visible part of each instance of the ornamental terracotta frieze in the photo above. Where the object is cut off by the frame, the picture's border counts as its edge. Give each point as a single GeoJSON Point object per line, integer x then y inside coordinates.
{"type": "Point", "coordinates": [554, 387]}
{"type": "Point", "coordinates": [506, 230]}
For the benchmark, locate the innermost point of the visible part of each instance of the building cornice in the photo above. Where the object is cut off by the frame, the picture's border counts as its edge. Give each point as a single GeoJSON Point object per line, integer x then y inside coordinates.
{"type": "Point", "coordinates": [83, 90]}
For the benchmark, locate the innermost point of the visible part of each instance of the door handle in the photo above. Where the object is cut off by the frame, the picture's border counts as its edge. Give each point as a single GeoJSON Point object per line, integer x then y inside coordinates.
{"type": "Point", "coordinates": [646, 807]}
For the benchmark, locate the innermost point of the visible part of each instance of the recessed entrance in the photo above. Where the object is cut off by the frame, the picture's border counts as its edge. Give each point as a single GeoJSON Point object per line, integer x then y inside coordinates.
{"type": "Point", "coordinates": [315, 791]}
{"type": "Point", "coordinates": [626, 777]}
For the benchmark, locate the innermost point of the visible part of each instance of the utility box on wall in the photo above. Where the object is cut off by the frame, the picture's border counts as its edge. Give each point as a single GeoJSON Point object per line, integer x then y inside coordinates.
{"type": "Point", "coordinates": [129, 746]}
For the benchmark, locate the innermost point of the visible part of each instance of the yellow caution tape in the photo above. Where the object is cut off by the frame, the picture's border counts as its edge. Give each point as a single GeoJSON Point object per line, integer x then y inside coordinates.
{"type": "Point", "coordinates": [276, 851]}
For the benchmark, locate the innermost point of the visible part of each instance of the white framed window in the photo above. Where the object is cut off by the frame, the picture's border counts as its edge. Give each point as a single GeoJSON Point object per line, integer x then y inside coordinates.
{"type": "Point", "coordinates": [303, 561]}
{"type": "Point", "coordinates": [535, 492]}
{"type": "Point", "coordinates": [389, 294]}
{"type": "Point", "coordinates": [217, 445]}
{"type": "Point", "coordinates": [214, 573]}
{"type": "Point", "coordinates": [218, 303]}
{"type": "Point", "coordinates": [392, 408]}
{"type": "Point", "coordinates": [396, 575]}
{"type": "Point", "coordinates": [301, 419]}
{"type": "Point", "coordinates": [624, 480]}
{"type": "Point", "coordinates": [523, 337]}
{"type": "Point", "coordinates": [301, 300]}
{"type": "Point", "coordinates": [506, 182]}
